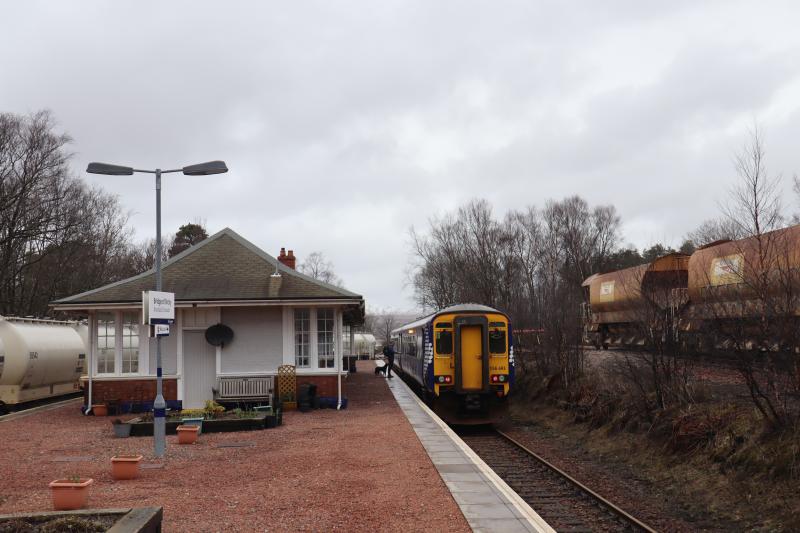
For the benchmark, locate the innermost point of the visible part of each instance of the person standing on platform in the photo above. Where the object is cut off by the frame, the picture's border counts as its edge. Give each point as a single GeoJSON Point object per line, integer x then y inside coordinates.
{"type": "Point", "coordinates": [388, 353]}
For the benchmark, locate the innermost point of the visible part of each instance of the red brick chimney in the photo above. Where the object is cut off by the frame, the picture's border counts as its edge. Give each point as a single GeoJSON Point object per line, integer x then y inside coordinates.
{"type": "Point", "coordinates": [288, 259]}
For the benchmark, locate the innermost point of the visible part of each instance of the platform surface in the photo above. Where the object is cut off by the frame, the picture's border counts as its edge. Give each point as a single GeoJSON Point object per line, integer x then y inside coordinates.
{"type": "Point", "coordinates": [488, 504]}
{"type": "Point", "coordinates": [359, 469]}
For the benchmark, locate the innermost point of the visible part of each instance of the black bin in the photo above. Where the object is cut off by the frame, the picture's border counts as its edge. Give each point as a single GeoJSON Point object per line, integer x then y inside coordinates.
{"type": "Point", "coordinates": [306, 396]}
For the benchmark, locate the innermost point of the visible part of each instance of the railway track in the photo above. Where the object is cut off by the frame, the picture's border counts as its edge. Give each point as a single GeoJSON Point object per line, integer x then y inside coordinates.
{"type": "Point", "coordinates": [566, 504]}
{"type": "Point", "coordinates": [24, 409]}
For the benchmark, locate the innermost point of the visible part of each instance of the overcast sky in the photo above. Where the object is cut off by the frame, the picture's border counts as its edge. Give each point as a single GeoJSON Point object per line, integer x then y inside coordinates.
{"type": "Point", "coordinates": [345, 123]}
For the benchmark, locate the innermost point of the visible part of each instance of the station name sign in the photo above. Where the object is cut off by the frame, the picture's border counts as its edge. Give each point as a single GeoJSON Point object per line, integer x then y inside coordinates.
{"type": "Point", "coordinates": [158, 307]}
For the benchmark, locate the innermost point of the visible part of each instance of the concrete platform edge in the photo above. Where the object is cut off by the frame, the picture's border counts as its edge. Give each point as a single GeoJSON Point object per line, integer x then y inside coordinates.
{"type": "Point", "coordinates": [535, 522]}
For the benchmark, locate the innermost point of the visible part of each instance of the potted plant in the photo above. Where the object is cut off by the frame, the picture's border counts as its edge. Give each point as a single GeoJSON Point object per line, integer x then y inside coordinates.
{"type": "Point", "coordinates": [121, 429]}
{"type": "Point", "coordinates": [125, 466]}
{"type": "Point", "coordinates": [100, 409]}
{"type": "Point", "coordinates": [70, 493]}
{"type": "Point", "coordinates": [187, 434]}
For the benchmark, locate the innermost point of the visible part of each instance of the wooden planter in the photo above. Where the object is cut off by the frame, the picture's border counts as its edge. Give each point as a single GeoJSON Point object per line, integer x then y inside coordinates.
{"type": "Point", "coordinates": [125, 467]}
{"type": "Point", "coordinates": [289, 406]}
{"type": "Point", "coordinates": [100, 409]}
{"type": "Point", "coordinates": [187, 434]}
{"type": "Point", "coordinates": [69, 495]}
{"type": "Point", "coordinates": [127, 520]}
{"type": "Point", "coordinates": [145, 429]}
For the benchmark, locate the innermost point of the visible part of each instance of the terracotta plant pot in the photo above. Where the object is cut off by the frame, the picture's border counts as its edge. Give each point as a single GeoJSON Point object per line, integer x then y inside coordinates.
{"type": "Point", "coordinates": [187, 434]}
{"type": "Point", "coordinates": [69, 495]}
{"type": "Point", "coordinates": [100, 409]}
{"type": "Point", "coordinates": [125, 466]}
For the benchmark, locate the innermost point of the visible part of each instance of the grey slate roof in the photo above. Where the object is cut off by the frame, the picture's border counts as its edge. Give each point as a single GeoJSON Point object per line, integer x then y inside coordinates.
{"type": "Point", "coordinates": [225, 266]}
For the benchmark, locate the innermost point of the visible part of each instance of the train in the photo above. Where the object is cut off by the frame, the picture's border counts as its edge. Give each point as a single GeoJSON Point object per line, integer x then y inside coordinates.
{"type": "Point", "coordinates": [39, 359]}
{"type": "Point", "coordinates": [696, 299]}
{"type": "Point", "coordinates": [460, 360]}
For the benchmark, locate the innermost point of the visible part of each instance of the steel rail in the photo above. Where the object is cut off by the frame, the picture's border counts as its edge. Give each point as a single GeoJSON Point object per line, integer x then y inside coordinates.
{"type": "Point", "coordinates": [610, 506]}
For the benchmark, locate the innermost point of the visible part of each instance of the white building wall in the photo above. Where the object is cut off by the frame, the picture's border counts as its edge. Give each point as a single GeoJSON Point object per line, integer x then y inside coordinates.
{"type": "Point", "coordinates": [169, 353]}
{"type": "Point", "coordinates": [257, 344]}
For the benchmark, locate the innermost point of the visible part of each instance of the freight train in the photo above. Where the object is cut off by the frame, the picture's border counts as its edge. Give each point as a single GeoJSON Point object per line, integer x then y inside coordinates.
{"type": "Point", "coordinates": [695, 299]}
{"type": "Point", "coordinates": [461, 361]}
{"type": "Point", "coordinates": [39, 359]}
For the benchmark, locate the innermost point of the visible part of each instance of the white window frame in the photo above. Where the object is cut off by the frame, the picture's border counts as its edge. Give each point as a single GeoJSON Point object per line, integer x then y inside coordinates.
{"type": "Point", "coordinates": [289, 339]}
{"type": "Point", "coordinates": [118, 335]}
{"type": "Point", "coordinates": [135, 328]}
{"type": "Point", "coordinates": [96, 332]}
{"type": "Point", "coordinates": [309, 337]}
{"type": "Point", "coordinates": [332, 355]}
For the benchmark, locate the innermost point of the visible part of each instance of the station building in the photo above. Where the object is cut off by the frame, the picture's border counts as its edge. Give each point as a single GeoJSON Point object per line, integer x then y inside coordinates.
{"type": "Point", "coordinates": [278, 316]}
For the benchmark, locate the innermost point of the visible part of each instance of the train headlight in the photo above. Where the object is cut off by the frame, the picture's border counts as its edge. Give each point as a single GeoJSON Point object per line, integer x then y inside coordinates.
{"type": "Point", "coordinates": [443, 380]}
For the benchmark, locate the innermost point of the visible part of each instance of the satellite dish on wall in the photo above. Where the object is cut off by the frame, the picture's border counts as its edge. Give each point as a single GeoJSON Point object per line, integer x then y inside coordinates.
{"type": "Point", "coordinates": [219, 335]}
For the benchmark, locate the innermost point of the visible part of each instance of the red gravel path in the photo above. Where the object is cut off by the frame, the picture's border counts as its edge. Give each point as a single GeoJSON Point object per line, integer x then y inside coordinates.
{"type": "Point", "coordinates": [361, 469]}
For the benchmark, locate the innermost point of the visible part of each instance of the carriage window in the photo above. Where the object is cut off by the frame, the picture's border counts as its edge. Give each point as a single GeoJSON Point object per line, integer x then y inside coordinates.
{"type": "Point", "coordinates": [497, 341]}
{"type": "Point", "coordinates": [444, 342]}
{"type": "Point", "coordinates": [412, 347]}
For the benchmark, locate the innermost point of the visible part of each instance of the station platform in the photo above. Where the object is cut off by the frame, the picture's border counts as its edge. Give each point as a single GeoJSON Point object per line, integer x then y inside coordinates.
{"type": "Point", "coordinates": [383, 464]}
{"type": "Point", "coordinates": [486, 501]}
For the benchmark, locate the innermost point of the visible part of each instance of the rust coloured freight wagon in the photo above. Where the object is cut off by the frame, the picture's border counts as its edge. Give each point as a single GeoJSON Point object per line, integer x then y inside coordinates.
{"type": "Point", "coordinates": [624, 301]}
{"type": "Point", "coordinates": [699, 299]}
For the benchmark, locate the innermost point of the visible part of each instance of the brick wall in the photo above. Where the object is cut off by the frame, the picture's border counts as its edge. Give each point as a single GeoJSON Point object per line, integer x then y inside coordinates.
{"type": "Point", "coordinates": [129, 390]}
{"type": "Point", "coordinates": [326, 385]}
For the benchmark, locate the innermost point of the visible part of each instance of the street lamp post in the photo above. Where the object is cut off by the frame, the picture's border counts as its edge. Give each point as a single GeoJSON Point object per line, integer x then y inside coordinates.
{"type": "Point", "coordinates": [203, 169]}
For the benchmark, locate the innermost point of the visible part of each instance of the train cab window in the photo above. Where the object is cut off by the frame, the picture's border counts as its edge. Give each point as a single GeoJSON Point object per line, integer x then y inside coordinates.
{"type": "Point", "coordinates": [444, 342]}
{"type": "Point", "coordinates": [497, 341]}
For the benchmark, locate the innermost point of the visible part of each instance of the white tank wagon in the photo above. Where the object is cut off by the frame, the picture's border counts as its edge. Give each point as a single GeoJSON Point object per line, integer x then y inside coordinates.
{"type": "Point", "coordinates": [40, 359]}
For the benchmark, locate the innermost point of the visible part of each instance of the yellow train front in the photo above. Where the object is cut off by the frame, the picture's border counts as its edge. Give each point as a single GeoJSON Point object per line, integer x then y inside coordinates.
{"type": "Point", "coordinates": [461, 360]}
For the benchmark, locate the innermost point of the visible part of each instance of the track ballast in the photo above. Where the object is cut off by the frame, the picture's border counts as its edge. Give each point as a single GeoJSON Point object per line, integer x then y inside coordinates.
{"type": "Point", "coordinates": [559, 499]}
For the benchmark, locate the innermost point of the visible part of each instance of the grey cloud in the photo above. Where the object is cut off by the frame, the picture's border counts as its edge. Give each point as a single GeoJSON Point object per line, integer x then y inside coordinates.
{"type": "Point", "coordinates": [345, 123]}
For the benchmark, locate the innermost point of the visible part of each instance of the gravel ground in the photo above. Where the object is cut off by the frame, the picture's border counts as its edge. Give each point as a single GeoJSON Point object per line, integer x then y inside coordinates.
{"type": "Point", "coordinates": [361, 469]}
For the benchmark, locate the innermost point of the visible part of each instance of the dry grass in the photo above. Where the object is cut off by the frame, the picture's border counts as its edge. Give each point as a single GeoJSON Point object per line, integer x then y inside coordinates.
{"type": "Point", "coordinates": [714, 459]}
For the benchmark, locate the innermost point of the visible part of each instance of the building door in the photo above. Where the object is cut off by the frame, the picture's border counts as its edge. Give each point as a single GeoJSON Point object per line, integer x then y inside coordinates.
{"type": "Point", "coordinates": [199, 370]}
{"type": "Point", "coordinates": [471, 357]}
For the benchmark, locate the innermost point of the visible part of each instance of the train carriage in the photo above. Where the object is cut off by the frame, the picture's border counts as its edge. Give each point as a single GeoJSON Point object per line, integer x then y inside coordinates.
{"type": "Point", "coordinates": [39, 359]}
{"type": "Point", "coordinates": [462, 361]}
{"type": "Point", "coordinates": [719, 293]}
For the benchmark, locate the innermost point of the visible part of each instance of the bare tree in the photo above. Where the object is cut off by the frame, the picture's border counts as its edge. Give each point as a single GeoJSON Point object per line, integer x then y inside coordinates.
{"type": "Point", "coordinates": [715, 229]}
{"type": "Point", "coordinates": [381, 323]}
{"type": "Point", "coordinates": [530, 265]}
{"type": "Point", "coordinates": [318, 267]}
{"type": "Point", "coordinates": [49, 219]}
{"type": "Point", "coordinates": [752, 290]}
